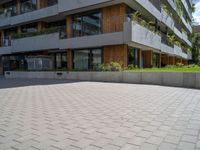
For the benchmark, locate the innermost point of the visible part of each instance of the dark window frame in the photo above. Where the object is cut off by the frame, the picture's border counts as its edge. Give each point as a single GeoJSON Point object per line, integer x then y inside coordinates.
{"type": "Point", "coordinates": [90, 66]}
{"type": "Point", "coordinates": [85, 14]}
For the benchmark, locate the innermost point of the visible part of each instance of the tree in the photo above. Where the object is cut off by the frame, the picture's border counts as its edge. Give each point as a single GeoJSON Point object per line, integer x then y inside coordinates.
{"type": "Point", "coordinates": [196, 49]}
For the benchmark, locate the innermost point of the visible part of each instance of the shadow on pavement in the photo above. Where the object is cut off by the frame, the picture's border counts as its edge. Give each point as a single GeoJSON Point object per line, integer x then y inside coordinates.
{"type": "Point", "coordinates": [14, 83]}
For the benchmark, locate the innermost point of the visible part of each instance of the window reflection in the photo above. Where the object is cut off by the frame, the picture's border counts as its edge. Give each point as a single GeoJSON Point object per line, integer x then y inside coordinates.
{"type": "Point", "coordinates": [28, 5]}
{"type": "Point", "coordinates": [87, 59]}
{"type": "Point", "coordinates": [88, 24]}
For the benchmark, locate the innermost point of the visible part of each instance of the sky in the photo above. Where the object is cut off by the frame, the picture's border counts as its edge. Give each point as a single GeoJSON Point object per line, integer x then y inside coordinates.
{"type": "Point", "coordinates": [196, 15]}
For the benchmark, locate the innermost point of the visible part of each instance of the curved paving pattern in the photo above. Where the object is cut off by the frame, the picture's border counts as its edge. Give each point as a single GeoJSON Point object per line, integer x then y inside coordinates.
{"type": "Point", "coordinates": [51, 115]}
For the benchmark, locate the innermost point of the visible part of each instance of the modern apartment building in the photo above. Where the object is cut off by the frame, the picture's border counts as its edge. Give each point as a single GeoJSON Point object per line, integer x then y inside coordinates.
{"type": "Point", "coordinates": [81, 34]}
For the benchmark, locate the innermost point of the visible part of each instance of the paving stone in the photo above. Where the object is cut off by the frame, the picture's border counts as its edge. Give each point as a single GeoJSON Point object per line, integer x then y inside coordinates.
{"type": "Point", "coordinates": [167, 146]}
{"type": "Point", "coordinates": [155, 140]}
{"type": "Point", "coordinates": [59, 114]}
{"type": "Point", "coordinates": [130, 147]}
{"type": "Point", "coordinates": [137, 141]}
{"type": "Point", "coordinates": [147, 146]}
{"type": "Point", "coordinates": [186, 146]}
{"type": "Point", "coordinates": [189, 138]}
{"type": "Point", "coordinates": [172, 139]}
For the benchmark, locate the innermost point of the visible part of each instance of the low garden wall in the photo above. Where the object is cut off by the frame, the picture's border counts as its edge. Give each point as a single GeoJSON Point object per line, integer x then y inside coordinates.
{"type": "Point", "coordinates": [176, 79]}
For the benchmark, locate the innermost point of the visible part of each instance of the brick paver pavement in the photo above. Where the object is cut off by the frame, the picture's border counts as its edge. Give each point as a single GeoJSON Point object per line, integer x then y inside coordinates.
{"type": "Point", "coordinates": [51, 115]}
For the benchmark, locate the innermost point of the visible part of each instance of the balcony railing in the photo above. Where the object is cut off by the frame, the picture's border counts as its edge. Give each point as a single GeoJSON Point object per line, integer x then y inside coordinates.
{"type": "Point", "coordinates": [10, 12]}
{"type": "Point", "coordinates": [165, 40]}
{"type": "Point", "coordinates": [156, 3]}
{"type": "Point", "coordinates": [60, 29]}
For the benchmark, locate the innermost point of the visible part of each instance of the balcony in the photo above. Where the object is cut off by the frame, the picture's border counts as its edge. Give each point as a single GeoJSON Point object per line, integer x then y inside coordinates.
{"type": "Point", "coordinates": [24, 42]}
{"type": "Point", "coordinates": [187, 24]}
{"type": "Point", "coordinates": [177, 50]}
{"type": "Point", "coordinates": [172, 4]}
{"type": "Point", "coordinates": [5, 46]}
{"type": "Point", "coordinates": [29, 16]}
{"type": "Point", "coordinates": [167, 19]}
{"type": "Point", "coordinates": [142, 36]}
{"type": "Point", "coordinates": [178, 30]}
{"type": "Point", "coordinates": [40, 42]}
{"type": "Point", "coordinates": [151, 7]}
{"type": "Point", "coordinates": [166, 47]}
{"type": "Point", "coordinates": [186, 8]}
{"type": "Point", "coordinates": [67, 5]}
{"type": "Point", "coordinates": [185, 38]}
{"type": "Point", "coordinates": [184, 55]}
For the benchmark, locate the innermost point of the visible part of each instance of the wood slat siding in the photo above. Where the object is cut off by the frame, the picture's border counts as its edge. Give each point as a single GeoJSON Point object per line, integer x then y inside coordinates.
{"type": "Point", "coordinates": [18, 7]}
{"type": "Point", "coordinates": [41, 25]}
{"type": "Point", "coordinates": [165, 59]}
{"type": "Point", "coordinates": [147, 59]}
{"type": "Point", "coordinates": [69, 59]}
{"type": "Point", "coordinates": [171, 60]}
{"type": "Point", "coordinates": [41, 4]}
{"type": "Point", "coordinates": [115, 53]}
{"type": "Point", "coordinates": [1, 37]}
{"type": "Point", "coordinates": [113, 18]}
{"type": "Point", "coordinates": [69, 26]}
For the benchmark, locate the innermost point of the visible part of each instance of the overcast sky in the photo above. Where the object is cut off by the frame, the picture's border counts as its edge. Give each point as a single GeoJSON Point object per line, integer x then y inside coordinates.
{"type": "Point", "coordinates": [197, 12]}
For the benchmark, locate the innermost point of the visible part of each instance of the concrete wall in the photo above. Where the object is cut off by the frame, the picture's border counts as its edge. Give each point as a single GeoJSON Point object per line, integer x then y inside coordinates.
{"type": "Point", "coordinates": [40, 42]}
{"type": "Point", "coordinates": [167, 19]}
{"type": "Point", "coordinates": [187, 80]}
{"type": "Point", "coordinates": [144, 36]}
{"type": "Point", "coordinates": [26, 17]}
{"type": "Point", "coordinates": [114, 38]}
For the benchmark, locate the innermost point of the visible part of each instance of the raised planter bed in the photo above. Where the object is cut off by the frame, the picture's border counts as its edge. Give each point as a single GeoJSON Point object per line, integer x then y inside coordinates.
{"type": "Point", "coordinates": [176, 79]}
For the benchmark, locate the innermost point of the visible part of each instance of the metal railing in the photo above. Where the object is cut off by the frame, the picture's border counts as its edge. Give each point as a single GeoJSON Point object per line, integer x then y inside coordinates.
{"type": "Point", "coordinates": [60, 29]}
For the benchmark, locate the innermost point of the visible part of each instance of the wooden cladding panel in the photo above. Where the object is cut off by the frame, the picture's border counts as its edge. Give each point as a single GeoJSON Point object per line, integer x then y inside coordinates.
{"type": "Point", "coordinates": [69, 60]}
{"type": "Point", "coordinates": [41, 4]}
{"type": "Point", "coordinates": [147, 59]}
{"type": "Point", "coordinates": [116, 53]}
{"type": "Point", "coordinates": [113, 18]}
{"type": "Point", "coordinates": [69, 26]}
{"type": "Point", "coordinates": [171, 60]}
{"type": "Point", "coordinates": [165, 59]}
{"type": "Point", "coordinates": [41, 25]}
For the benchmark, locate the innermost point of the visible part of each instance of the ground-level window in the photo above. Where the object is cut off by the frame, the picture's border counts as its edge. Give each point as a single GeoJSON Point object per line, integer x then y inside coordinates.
{"type": "Point", "coordinates": [133, 58]}
{"type": "Point", "coordinates": [60, 60]}
{"type": "Point", "coordinates": [87, 59]}
{"type": "Point", "coordinates": [156, 60]}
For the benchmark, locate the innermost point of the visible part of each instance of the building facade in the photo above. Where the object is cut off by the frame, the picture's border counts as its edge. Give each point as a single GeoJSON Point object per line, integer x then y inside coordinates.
{"type": "Point", "coordinates": [80, 35]}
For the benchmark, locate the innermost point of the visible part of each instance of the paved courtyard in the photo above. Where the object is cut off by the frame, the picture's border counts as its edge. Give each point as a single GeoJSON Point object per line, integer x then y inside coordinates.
{"type": "Point", "coordinates": [60, 115]}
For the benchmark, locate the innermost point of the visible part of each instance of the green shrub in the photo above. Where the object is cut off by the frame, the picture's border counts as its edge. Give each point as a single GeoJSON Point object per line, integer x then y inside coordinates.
{"type": "Point", "coordinates": [115, 66]}
{"type": "Point", "coordinates": [170, 66]}
{"type": "Point", "coordinates": [131, 67]}
{"type": "Point", "coordinates": [180, 65]}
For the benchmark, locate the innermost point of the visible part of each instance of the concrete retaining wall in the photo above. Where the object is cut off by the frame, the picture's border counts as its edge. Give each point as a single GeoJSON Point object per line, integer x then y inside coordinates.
{"type": "Point", "coordinates": [188, 80]}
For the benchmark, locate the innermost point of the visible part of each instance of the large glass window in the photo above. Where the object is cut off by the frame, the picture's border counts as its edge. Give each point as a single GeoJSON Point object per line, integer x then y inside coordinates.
{"type": "Point", "coordinates": [51, 2]}
{"type": "Point", "coordinates": [28, 5]}
{"type": "Point", "coordinates": [9, 9]}
{"type": "Point", "coordinates": [133, 57]}
{"type": "Point", "coordinates": [87, 59]}
{"type": "Point", "coordinates": [156, 60]}
{"type": "Point", "coordinates": [88, 24]}
{"type": "Point", "coordinates": [60, 60]}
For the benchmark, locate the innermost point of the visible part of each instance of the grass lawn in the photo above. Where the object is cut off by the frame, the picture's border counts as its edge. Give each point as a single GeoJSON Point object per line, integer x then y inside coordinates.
{"type": "Point", "coordinates": [183, 69]}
